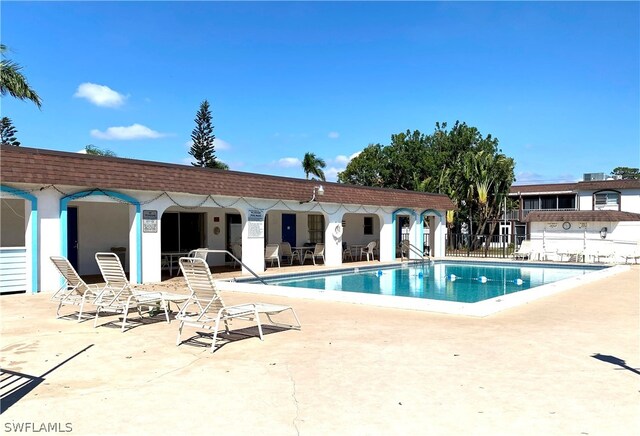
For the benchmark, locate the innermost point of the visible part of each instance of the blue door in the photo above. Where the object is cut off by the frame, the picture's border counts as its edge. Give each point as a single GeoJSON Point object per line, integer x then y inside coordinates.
{"type": "Point", "coordinates": [72, 236]}
{"type": "Point", "coordinates": [289, 228]}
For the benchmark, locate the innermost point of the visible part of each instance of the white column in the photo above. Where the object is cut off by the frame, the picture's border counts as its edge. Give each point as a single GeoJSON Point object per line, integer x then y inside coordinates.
{"type": "Point", "coordinates": [333, 239]}
{"type": "Point", "coordinates": [151, 244]}
{"type": "Point", "coordinates": [439, 237]}
{"type": "Point", "coordinates": [252, 241]}
{"type": "Point", "coordinates": [133, 244]}
{"type": "Point", "coordinates": [50, 242]}
{"type": "Point", "coordinates": [386, 249]}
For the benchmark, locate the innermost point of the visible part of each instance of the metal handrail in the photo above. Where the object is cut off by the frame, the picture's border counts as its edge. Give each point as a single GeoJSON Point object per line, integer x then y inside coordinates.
{"type": "Point", "coordinates": [414, 250]}
{"type": "Point", "coordinates": [234, 258]}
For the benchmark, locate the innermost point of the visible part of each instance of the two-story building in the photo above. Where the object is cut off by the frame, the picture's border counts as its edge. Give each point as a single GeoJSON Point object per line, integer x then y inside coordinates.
{"type": "Point", "coordinates": [590, 215]}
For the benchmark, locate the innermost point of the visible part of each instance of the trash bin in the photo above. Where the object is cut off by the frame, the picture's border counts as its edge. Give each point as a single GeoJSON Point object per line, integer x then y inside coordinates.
{"type": "Point", "coordinates": [121, 252]}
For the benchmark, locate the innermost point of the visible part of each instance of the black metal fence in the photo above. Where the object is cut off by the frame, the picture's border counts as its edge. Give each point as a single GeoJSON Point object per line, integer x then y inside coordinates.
{"type": "Point", "coordinates": [466, 245]}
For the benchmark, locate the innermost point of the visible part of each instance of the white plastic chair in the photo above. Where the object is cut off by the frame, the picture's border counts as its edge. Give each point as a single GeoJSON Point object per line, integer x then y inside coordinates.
{"type": "Point", "coordinates": [236, 249]}
{"type": "Point", "coordinates": [205, 308]}
{"type": "Point", "coordinates": [368, 251]}
{"type": "Point", "coordinates": [317, 252]}
{"type": "Point", "coordinates": [271, 253]}
{"type": "Point", "coordinates": [286, 251]}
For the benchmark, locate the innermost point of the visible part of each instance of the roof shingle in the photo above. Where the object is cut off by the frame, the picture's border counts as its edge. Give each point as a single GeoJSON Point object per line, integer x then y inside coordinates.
{"type": "Point", "coordinates": [45, 167]}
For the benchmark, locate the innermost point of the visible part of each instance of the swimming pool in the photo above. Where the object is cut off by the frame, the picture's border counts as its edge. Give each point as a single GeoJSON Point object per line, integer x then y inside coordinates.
{"type": "Point", "coordinates": [462, 283]}
{"type": "Point", "coordinates": [432, 288]}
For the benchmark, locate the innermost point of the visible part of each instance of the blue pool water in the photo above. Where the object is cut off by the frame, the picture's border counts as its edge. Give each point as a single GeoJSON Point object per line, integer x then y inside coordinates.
{"type": "Point", "coordinates": [465, 283]}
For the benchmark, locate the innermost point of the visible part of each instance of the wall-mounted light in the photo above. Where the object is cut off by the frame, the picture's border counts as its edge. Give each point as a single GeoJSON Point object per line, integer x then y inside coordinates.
{"type": "Point", "coordinates": [317, 190]}
{"type": "Point", "coordinates": [603, 232]}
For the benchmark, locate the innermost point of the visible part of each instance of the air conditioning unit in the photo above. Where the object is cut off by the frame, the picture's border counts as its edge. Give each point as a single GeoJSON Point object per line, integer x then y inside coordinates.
{"type": "Point", "coordinates": [591, 177]}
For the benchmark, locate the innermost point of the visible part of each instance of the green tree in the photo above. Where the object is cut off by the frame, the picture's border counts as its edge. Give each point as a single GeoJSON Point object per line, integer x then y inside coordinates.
{"type": "Point", "coordinates": [626, 172]}
{"type": "Point", "coordinates": [311, 164]}
{"type": "Point", "coordinates": [203, 149]}
{"type": "Point", "coordinates": [93, 150]}
{"type": "Point", "coordinates": [13, 82]}
{"type": "Point", "coordinates": [8, 132]}
{"type": "Point", "coordinates": [459, 162]}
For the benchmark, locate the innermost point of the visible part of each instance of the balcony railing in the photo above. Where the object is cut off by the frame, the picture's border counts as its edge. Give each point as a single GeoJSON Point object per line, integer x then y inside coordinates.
{"type": "Point", "coordinates": [514, 215]}
{"type": "Point", "coordinates": [525, 212]}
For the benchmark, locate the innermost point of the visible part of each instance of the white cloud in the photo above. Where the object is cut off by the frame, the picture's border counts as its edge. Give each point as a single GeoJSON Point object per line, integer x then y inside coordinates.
{"type": "Point", "coordinates": [341, 159]}
{"type": "Point", "coordinates": [100, 95]}
{"type": "Point", "coordinates": [288, 162]}
{"type": "Point", "coordinates": [134, 131]}
{"type": "Point", "coordinates": [218, 144]}
{"type": "Point", "coordinates": [334, 135]}
{"type": "Point", "coordinates": [83, 151]}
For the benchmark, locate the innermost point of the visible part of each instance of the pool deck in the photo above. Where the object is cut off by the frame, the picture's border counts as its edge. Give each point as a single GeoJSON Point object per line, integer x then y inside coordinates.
{"type": "Point", "coordinates": [568, 363]}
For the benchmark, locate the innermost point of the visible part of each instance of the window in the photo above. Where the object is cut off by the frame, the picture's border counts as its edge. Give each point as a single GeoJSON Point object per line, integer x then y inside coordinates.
{"type": "Point", "coordinates": [182, 231]}
{"type": "Point", "coordinates": [316, 228]}
{"type": "Point", "coordinates": [368, 225]}
{"type": "Point", "coordinates": [566, 202]}
{"type": "Point", "coordinates": [548, 202]}
{"type": "Point", "coordinates": [607, 199]}
{"type": "Point", "coordinates": [530, 203]}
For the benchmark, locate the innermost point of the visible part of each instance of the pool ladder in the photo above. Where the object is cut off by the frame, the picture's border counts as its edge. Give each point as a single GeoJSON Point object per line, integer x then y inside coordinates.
{"type": "Point", "coordinates": [407, 246]}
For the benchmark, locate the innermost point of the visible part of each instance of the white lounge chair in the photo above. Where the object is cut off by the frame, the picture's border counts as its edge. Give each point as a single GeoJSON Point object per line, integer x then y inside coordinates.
{"type": "Point", "coordinates": [118, 295]}
{"type": "Point", "coordinates": [287, 252]}
{"type": "Point", "coordinates": [605, 255]}
{"type": "Point", "coordinates": [205, 308]}
{"type": "Point", "coordinates": [74, 291]}
{"type": "Point", "coordinates": [272, 253]}
{"type": "Point", "coordinates": [524, 251]}
{"type": "Point", "coordinates": [634, 255]}
{"type": "Point", "coordinates": [368, 251]}
{"type": "Point", "coordinates": [317, 252]}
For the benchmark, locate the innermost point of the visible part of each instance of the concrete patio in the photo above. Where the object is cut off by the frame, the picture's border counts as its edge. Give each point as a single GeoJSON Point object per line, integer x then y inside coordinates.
{"type": "Point", "coordinates": [562, 365]}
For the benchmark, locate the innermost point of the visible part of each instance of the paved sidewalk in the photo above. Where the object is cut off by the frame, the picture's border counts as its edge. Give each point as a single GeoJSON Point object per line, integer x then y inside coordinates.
{"type": "Point", "coordinates": [568, 364]}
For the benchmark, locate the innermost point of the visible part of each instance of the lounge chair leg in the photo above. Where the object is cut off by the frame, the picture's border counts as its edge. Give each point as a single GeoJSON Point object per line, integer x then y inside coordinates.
{"type": "Point", "coordinates": [95, 320]}
{"type": "Point", "coordinates": [215, 335]}
{"type": "Point", "coordinates": [259, 326]}
{"type": "Point", "coordinates": [178, 342]}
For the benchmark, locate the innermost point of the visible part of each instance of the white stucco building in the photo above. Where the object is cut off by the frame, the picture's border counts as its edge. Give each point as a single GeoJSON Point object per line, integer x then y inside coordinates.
{"type": "Point", "coordinates": [70, 204]}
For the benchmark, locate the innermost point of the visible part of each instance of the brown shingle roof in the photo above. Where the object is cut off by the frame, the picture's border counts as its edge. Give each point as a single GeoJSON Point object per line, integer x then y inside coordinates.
{"type": "Point", "coordinates": [582, 215]}
{"type": "Point", "coordinates": [45, 167]}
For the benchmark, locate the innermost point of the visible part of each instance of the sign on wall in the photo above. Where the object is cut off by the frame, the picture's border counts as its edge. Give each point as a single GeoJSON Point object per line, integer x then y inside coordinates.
{"type": "Point", "coordinates": [150, 221]}
{"type": "Point", "coordinates": [256, 223]}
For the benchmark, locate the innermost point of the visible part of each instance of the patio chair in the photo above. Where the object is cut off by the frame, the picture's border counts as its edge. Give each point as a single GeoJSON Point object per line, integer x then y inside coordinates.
{"type": "Point", "coordinates": [119, 296]}
{"type": "Point", "coordinates": [271, 253]}
{"type": "Point", "coordinates": [346, 252]}
{"type": "Point", "coordinates": [634, 255]}
{"type": "Point", "coordinates": [74, 291]}
{"type": "Point", "coordinates": [368, 251]}
{"type": "Point", "coordinates": [606, 254]}
{"type": "Point", "coordinates": [205, 308]}
{"type": "Point", "coordinates": [524, 251]}
{"type": "Point", "coordinates": [236, 249]}
{"type": "Point", "coordinates": [317, 252]}
{"type": "Point", "coordinates": [287, 252]}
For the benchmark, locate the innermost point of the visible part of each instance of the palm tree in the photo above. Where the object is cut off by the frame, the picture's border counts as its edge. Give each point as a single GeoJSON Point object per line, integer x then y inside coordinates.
{"type": "Point", "coordinates": [311, 164]}
{"type": "Point", "coordinates": [13, 82]}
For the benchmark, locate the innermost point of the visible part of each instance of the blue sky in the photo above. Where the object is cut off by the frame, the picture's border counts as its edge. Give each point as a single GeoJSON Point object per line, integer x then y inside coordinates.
{"type": "Point", "coordinates": [556, 83]}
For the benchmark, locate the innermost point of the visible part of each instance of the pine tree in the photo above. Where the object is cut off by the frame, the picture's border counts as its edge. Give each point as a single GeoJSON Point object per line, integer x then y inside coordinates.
{"type": "Point", "coordinates": [202, 137]}
{"type": "Point", "coordinates": [8, 132]}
